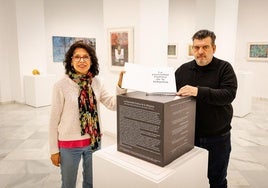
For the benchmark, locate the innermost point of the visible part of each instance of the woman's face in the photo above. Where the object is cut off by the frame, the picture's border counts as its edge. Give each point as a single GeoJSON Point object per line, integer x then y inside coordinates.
{"type": "Point", "coordinates": [81, 61]}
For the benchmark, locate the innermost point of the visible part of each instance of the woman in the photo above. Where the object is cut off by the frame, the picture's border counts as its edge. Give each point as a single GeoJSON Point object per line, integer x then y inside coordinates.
{"type": "Point", "coordinates": [74, 127]}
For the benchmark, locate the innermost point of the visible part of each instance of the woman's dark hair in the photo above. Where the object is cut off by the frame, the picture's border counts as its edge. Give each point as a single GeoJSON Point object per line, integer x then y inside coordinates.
{"type": "Point", "coordinates": [204, 34]}
{"type": "Point", "coordinates": [94, 68]}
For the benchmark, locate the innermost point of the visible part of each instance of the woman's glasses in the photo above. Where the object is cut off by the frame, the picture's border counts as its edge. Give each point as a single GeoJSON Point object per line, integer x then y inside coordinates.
{"type": "Point", "coordinates": [78, 58]}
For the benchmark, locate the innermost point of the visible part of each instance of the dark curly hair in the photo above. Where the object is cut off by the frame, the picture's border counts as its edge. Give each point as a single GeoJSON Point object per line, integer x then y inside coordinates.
{"type": "Point", "coordinates": [204, 34]}
{"type": "Point", "coordinates": [94, 68]}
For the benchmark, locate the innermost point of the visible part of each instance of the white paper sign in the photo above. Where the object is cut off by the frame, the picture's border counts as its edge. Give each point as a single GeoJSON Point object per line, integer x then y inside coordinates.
{"type": "Point", "coordinates": [149, 79]}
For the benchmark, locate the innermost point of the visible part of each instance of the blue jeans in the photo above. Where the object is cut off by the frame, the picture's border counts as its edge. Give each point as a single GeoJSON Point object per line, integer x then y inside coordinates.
{"type": "Point", "coordinates": [219, 149]}
{"type": "Point", "coordinates": [70, 159]}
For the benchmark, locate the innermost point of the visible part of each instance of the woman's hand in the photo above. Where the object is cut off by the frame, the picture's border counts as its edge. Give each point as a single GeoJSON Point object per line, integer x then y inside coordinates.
{"type": "Point", "coordinates": [55, 158]}
{"type": "Point", "coordinates": [121, 78]}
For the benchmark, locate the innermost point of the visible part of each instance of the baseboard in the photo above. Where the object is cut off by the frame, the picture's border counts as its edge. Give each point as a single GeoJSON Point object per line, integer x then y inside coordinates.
{"type": "Point", "coordinates": [8, 102]}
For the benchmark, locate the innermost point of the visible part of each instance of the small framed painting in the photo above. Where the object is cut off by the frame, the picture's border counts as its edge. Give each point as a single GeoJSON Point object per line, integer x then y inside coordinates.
{"type": "Point", "coordinates": [120, 44]}
{"type": "Point", "coordinates": [258, 51]}
{"type": "Point", "coordinates": [190, 50]}
{"type": "Point", "coordinates": [172, 50]}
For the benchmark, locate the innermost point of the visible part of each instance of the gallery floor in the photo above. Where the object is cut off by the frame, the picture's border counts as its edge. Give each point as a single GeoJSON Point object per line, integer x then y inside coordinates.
{"type": "Point", "coordinates": [24, 158]}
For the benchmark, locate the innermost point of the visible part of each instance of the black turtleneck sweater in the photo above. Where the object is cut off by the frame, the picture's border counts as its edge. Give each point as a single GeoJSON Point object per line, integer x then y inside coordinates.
{"type": "Point", "coordinates": [217, 85]}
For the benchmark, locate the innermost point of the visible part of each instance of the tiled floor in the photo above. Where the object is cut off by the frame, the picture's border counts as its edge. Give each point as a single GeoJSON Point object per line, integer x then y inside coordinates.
{"type": "Point", "coordinates": [24, 158]}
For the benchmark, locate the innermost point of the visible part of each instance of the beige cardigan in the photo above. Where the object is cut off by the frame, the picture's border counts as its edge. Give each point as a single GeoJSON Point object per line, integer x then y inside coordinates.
{"type": "Point", "coordinates": [64, 121]}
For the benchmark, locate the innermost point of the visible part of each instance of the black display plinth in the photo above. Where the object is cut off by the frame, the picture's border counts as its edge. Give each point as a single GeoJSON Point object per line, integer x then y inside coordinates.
{"type": "Point", "coordinates": [157, 129]}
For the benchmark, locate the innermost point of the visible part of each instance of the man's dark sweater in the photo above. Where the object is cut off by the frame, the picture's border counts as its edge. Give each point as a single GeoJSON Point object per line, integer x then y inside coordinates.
{"type": "Point", "coordinates": [217, 85]}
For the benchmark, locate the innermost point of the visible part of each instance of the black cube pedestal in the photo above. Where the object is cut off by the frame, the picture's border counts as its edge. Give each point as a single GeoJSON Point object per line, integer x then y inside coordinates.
{"type": "Point", "coordinates": [154, 128]}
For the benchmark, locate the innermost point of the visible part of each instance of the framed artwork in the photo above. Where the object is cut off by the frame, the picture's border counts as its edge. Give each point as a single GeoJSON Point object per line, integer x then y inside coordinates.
{"type": "Point", "coordinates": [61, 45]}
{"type": "Point", "coordinates": [258, 51]}
{"type": "Point", "coordinates": [190, 50]}
{"type": "Point", "coordinates": [172, 50]}
{"type": "Point", "coordinates": [120, 46]}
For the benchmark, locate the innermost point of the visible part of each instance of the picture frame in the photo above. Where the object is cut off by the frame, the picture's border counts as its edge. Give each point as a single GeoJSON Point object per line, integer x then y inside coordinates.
{"type": "Point", "coordinates": [257, 51]}
{"type": "Point", "coordinates": [61, 44]}
{"type": "Point", "coordinates": [120, 47]}
{"type": "Point", "coordinates": [190, 50]}
{"type": "Point", "coordinates": [172, 50]}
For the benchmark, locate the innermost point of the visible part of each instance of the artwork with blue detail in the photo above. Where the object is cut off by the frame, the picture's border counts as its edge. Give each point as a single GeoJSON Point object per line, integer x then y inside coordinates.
{"type": "Point", "coordinates": [62, 44]}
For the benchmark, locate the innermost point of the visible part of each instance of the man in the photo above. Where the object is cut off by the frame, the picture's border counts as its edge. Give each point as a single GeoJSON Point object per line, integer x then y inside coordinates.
{"type": "Point", "coordinates": [213, 83]}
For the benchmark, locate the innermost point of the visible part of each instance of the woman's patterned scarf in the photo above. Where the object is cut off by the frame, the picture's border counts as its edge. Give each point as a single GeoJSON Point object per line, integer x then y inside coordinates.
{"type": "Point", "coordinates": [87, 104]}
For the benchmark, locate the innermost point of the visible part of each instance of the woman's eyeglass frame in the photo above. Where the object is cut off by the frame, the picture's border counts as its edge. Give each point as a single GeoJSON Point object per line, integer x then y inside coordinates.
{"type": "Point", "coordinates": [78, 58]}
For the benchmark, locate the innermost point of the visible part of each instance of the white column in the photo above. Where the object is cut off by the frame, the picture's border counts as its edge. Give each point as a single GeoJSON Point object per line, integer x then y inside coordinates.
{"type": "Point", "coordinates": [31, 35]}
{"type": "Point", "coordinates": [153, 32]}
{"type": "Point", "coordinates": [205, 14]}
{"type": "Point", "coordinates": [226, 13]}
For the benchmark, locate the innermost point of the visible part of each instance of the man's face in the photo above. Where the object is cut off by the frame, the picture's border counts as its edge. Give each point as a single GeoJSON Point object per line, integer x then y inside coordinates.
{"type": "Point", "coordinates": [203, 51]}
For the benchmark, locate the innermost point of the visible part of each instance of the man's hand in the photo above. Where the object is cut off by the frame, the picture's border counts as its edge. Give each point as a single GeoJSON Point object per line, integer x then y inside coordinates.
{"type": "Point", "coordinates": [188, 91]}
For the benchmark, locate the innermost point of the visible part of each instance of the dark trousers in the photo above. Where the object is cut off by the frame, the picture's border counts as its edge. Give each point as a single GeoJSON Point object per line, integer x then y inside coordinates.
{"type": "Point", "coordinates": [219, 149]}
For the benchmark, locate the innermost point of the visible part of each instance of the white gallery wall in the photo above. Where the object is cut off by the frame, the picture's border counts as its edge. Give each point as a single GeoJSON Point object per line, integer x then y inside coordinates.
{"type": "Point", "coordinates": [27, 27]}
{"type": "Point", "coordinates": [31, 39]}
{"type": "Point", "coordinates": [145, 17]}
{"type": "Point", "coordinates": [186, 17]}
{"type": "Point", "coordinates": [67, 18]}
{"type": "Point", "coordinates": [252, 26]}
{"type": "Point", "coordinates": [10, 76]}
{"type": "Point", "coordinates": [115, 16]}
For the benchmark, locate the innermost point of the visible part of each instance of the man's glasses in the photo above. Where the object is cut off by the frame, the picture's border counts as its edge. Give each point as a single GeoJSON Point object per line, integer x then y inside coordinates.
{"type": "Point", "coordinates": [78, 58]}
